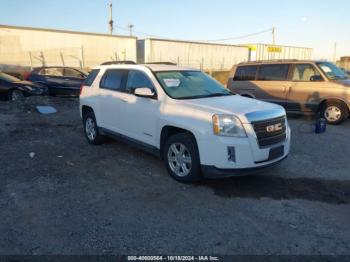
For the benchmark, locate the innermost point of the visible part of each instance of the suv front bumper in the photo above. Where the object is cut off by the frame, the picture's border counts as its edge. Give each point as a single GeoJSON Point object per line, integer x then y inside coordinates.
{"type": "Point", "coordinates": [213, 172]}
{"type": "Point", "coordinates": [230, 156]}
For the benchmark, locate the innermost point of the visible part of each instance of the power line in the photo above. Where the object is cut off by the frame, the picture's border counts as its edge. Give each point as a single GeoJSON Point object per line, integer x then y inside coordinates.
{"type": "Point", "coordinates": [239, 37]}
{"type": "Point", "coordinates": [212, 40]}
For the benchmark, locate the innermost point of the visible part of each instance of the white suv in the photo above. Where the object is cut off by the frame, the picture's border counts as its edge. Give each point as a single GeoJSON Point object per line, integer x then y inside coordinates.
{"type": "Point", "coordinates": [185, 117]}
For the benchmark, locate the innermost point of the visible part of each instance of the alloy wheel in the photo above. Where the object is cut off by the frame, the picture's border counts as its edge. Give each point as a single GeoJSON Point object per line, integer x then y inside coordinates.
{"type": "Point", "coordinates": [179, 159]}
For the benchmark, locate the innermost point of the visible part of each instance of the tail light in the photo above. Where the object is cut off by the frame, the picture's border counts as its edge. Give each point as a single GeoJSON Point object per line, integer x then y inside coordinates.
{"type": "Point", "coordinates": [26, 75]}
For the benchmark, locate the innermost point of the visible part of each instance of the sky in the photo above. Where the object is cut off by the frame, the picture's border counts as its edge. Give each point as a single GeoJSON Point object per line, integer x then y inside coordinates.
{"type": "Point", "coordinates": [318, 24]}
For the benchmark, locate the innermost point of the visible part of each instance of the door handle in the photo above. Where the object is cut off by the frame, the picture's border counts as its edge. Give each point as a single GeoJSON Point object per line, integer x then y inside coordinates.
{"type": "Point", "coordinates": [287, 88]}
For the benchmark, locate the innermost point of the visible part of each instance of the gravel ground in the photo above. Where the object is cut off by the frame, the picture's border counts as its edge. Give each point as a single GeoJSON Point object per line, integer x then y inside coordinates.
{"type": "Point", "coordinates": [73, 198]}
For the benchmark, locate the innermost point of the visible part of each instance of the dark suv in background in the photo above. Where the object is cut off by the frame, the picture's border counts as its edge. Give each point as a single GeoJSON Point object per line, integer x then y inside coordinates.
{"type": "Point", "coordinates": [59, 80]}
{"type": "Point", "coordinates": [299, 86]}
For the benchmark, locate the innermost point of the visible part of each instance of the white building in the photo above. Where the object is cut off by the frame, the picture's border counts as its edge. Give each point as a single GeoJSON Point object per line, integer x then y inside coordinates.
{"type": "Point", "coordinates": [206, 56]}
{"type": "Point", "coordinates": [36, 47]}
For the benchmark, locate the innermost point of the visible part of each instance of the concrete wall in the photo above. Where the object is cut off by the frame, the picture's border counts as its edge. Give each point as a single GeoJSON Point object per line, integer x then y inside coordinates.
{"type": "Point", "coordinates": [205, 56]}
{"type": "Point", "coordinates": [30, 46]}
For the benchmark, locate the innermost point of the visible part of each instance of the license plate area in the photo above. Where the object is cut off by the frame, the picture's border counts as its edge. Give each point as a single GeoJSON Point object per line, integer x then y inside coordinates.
{"type": "Point", "coordinates": [276, 152]}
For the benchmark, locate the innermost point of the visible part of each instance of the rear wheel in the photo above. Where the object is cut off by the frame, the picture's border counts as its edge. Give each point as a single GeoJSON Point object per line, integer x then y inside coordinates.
{"type": "Point", "coordinates": [16, 95]}
{"type": "Point", "coordinates": [91, 131]}
{"type": "Point", "coordinates": [181, 158]}
{"type": "Point", "coordinates": [335, 112]}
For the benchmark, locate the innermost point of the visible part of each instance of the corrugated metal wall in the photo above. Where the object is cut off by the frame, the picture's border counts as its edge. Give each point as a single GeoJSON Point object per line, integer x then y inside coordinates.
{"type": "Point", "coordinates": [36, 47]}
{"type": "Point", "coordinates": [211, 57]}
{"type": "Point", "coordinates": [273, 52]}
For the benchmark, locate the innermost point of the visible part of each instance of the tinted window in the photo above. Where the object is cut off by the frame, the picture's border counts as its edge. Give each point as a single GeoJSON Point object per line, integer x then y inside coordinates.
{"type": "Point", "coordinates": [91, 77]}
{"type": "Point", "coordinates": [137, 79]}
{"type": "Point", "coordinates": [273, 72]}
{"type": "Point", "coordinates": [51, 71]}
{"type": "Point", "coordinates": [304, 72]}
{"type": "Point", "coordinates": [69, 72]}
{"type": "Point", "coordinates": [245, 73]}
{"type": "Point", "coordinates": [113, 79]}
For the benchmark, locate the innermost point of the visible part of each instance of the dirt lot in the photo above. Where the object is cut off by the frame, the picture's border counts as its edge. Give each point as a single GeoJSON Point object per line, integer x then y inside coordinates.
{"type": "Point", "coordinates": [73, 198]}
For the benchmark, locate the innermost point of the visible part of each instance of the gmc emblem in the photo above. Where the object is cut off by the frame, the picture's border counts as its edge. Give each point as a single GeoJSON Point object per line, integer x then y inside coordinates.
{"type": "Point", "coordinates": [274, 128]}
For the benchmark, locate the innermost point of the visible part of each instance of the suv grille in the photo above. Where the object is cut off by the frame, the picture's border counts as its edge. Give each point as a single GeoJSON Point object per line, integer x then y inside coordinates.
{"type": "Point", "coordinates": [271, 131]}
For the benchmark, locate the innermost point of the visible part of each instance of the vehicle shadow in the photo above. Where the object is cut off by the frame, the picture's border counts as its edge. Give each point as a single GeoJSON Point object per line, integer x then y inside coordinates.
{"type": "Point", "coordinates": [281, 188]}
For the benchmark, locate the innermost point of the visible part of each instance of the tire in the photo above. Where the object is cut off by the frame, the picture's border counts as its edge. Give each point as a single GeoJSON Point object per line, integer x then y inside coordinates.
{"type": "Point", "coordinates": [335, 112]}
{"type": "Point", "coordinates": [183, 167]}
{"type": "Point", "coordinates": [16, 95]}
{"type": "Point", "coordinates": [91, 131]}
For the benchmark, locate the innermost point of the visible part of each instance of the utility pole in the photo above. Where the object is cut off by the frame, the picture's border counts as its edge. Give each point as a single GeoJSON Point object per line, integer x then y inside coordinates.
{"type": "Point", "coordinates": [111, 22]}
{"type": "Point", "coordinates": [130, 26]}
{"type": "Point", "coordinates": [274, 35]}
{"type": "Point", "coordinates": [335, 53]}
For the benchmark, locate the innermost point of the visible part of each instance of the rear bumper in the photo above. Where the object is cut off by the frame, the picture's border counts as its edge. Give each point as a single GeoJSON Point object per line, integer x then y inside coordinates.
{"type": "Point", "coordinates": [213, 172]}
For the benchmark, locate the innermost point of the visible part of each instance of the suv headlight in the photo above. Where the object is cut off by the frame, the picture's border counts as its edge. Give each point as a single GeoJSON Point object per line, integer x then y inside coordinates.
{"type": "Point", "coordinates": [228, 125]}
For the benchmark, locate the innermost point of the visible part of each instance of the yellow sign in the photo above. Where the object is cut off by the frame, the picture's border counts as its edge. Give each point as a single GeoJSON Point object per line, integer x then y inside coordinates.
{"type": "Point", "coordinates": [274, 49]}
{"type": "Point", "coordinates": [252, 47]}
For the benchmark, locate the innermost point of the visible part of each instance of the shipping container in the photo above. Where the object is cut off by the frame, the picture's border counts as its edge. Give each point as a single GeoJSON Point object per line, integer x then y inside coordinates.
{"type": "Point", "coordinates": [37, 47]}
{"type": "Point", "coordinates": [205, 56]}
{"type": "Point", "coordinates": [260, 52]}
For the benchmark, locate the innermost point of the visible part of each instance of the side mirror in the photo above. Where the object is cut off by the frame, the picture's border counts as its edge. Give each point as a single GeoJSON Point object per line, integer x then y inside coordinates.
{"type": "Point", "coordinates": [316, 78]}
{"type": "Point", "coordinates": [144, 92]}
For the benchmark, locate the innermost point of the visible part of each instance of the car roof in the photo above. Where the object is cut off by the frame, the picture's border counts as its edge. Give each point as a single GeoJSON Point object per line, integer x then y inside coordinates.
{"type": "Point", "coordinates": [153, 67]}
{"type": "Point", "coordinates": [280, 61]}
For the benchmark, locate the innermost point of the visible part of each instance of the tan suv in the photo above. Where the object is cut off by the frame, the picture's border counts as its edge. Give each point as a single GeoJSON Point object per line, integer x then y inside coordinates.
{"type": "Point", "coordinates": [299, 86]}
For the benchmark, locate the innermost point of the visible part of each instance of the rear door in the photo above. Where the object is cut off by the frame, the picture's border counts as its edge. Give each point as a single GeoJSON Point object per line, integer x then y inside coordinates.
{"type": "Point", "coordinates": [53, 78]}
{"type": "Point", "coordinates": [305, 93]}
{"type": "Point", "coordinates": [73, 79]}
{"type": "Point", "coordinates": [272, 83]}
{"type": "Point", "coordinates": [111, 100]}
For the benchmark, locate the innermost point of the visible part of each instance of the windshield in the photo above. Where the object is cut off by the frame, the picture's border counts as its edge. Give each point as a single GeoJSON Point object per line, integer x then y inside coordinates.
{"type": "Point", "coordinates": [332, 71]}
{"type": "Point", "coordinates": [8, 78]}
{"type": "Point", "coordinates": [190, 85]}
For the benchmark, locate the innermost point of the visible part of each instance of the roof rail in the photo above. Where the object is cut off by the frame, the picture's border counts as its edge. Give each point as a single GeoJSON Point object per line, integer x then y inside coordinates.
{"type": "Point", "coordinates": [160, 63]}
{"type": "Point", "coordinates": [273, 60]}
{"type": "Point", "coordinates": [119, 63]}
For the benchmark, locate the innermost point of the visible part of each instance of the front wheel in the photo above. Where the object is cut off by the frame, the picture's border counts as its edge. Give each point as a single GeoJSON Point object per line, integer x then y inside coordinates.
{"type": "Point", "coordinates": [16, 95]}
{"type": "Point", "coordinates": [181, 158]}
{"type": "Point", "coordinates": [91, 131]}
{"type": "Point", "coordinates": [334, 112]}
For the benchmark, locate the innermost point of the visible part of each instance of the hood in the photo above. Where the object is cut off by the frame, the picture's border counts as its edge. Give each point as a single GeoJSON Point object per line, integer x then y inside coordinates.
{"type": "Point", "coordinates": [247, 109]}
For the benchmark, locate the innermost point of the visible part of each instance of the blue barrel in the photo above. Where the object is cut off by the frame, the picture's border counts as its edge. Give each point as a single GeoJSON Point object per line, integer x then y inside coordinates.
{"type": "Point", "coordinates": [321, 126]}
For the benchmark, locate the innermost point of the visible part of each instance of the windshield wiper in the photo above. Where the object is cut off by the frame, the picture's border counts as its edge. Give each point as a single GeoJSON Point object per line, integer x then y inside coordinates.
{"type": "Point", "coordinates": [209, 95]}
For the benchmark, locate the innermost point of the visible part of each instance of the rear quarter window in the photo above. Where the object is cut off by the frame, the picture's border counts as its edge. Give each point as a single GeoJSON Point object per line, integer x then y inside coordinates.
{"type": "Point", "coordinates": [114, 79]}
{"type": "Point", "coordinates": [91, 77]}
{"type": "Point", "coordinates": [245, 73]}
{"type": "Point", "coordinates": [278, 72]}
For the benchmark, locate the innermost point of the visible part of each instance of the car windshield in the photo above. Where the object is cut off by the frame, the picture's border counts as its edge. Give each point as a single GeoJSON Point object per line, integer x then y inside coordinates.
{"type": "Point", "coordinates": [8, 78]}
{"type": "Point", "coordinates": [332, 71]}
{"type": "Point", "coordinates": [190, 85]}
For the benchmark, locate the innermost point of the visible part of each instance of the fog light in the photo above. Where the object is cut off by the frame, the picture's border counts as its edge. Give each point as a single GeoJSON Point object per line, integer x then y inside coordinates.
{"type": "Point", "coordinates": [231, 154]}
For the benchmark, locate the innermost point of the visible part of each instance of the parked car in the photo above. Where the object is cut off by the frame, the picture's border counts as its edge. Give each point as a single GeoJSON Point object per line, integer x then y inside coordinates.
{"type": "Point", "coordinates": [300, 86]}
{"type": "Point", "coordinates": [186, 118]}
{"type": "Point", "coordinates": [61, 81]}
{"type": "Point", "coordinates": [12, 88]}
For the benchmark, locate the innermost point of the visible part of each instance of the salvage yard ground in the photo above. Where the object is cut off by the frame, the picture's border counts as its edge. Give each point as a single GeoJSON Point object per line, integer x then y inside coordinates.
{"type": "Point", "coordinates": [73, 198]}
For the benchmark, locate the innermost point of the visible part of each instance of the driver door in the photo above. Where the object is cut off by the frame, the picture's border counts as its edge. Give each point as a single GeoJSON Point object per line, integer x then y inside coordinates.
{"type": "Point", "coordinates": [140, 115]}
{"type": "Point", "coordinates": [305, 92]}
